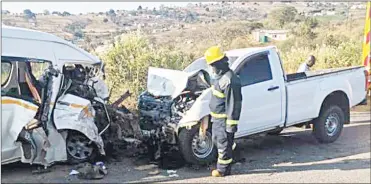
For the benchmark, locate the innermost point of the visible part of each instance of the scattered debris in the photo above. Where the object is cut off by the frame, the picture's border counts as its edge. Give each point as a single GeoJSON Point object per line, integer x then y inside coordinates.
{"type": "Point", "coordinates": [90, 172]}
{"type": "Point", "coordinates": [155, 172]}
{"type": "Point", "coordinates": [171, 160]}
{"type": "Point", "coordinates": [41, 170]}
{"type": "Point", "coordinates": [102, 167]}
{"type": "Point", "coordinates": [145, 167]}
{"type": "Point", "coordinates": [171, 171]}
{"type": "Point", "coordinates": [173, 175]}
{"type": "Point", "coordinates": [74, 172]}
{"type": "Point", "coordinates": [239, 161]}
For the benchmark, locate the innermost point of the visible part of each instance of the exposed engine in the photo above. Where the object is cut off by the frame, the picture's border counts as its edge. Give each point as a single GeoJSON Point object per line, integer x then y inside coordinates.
{"type": "Point", "coordinates": [164, 113]}
{"type": "Point", "coordinates": [163, 110]}
{"type": "Point", "coordinates": [159, 115]}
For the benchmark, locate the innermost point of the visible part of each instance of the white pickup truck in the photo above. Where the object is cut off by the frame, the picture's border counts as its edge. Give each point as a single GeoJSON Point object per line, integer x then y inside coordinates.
{"type": "Point", "coordinates": [178, 101]}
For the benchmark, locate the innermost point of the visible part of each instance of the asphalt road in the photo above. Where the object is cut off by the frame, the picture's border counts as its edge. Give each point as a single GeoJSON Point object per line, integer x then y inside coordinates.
{"type": "Point", "coordinates": [294, 156]}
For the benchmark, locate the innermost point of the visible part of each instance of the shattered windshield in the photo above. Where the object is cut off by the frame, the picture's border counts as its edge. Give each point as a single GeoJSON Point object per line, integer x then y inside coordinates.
{"type": "Point", "coordinates": [200, 64]}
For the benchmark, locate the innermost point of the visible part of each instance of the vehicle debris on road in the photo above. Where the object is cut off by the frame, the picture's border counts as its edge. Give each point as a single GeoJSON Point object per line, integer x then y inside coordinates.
{"type": "Point", "coordinates": [172, 173]}
{"type": "Point", "coordinates": [74, 172]}
{"type": "Point", "coordinates": [89, 171]}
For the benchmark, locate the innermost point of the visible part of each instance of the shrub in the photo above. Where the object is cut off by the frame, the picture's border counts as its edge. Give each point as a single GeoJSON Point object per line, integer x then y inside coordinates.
{"type": "Point", "coordinates": [345, 55]}
{"type": "Point", "coordinates": [128, 61]}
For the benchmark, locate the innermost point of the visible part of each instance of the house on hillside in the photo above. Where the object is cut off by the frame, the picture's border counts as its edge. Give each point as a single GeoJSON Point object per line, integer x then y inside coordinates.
{"type": "Point", "coordinates": [266, 35]}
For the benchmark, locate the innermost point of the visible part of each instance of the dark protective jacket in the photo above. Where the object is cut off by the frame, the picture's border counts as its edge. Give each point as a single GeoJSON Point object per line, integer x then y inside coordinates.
{"type": "Point", "coordinates": [226, 100]}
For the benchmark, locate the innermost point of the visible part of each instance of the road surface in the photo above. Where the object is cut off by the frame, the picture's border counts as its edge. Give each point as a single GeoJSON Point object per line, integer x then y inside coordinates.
{"type": "Point", "coordinates": [294, 156]}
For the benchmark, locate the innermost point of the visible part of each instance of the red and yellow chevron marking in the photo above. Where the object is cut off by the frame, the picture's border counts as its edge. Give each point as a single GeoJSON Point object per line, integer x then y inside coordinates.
{"type": "Point", "coordinates": [366, 54]}
{"type": "Point", "coordinates": [366, 43]}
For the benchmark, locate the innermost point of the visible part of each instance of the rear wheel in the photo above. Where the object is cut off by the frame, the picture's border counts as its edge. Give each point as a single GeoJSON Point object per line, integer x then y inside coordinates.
{"type": "Point", "coordinates": [78, 148]}
{"type": "Point", "coordinates": [329, 125]}
{"type": "Point", "coordinates": [195, 150]}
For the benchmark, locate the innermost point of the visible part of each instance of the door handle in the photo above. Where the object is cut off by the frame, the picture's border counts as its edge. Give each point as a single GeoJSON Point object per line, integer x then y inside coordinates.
{"type": "Point", "coordinates": [273, 88]}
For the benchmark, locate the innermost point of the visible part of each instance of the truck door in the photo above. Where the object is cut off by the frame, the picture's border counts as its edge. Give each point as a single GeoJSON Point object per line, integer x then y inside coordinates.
{"type": "Point", "coordinates": [261, 104]}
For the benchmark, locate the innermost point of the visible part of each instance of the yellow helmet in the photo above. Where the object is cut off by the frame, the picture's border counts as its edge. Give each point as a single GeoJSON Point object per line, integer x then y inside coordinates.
{"type": "Point", "coordinates": [213, 54]}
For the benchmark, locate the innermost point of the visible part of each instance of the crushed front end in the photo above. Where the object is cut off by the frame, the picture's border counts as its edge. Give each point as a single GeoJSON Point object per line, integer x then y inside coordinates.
{"type": "Point", "coordinates": [161, 111]}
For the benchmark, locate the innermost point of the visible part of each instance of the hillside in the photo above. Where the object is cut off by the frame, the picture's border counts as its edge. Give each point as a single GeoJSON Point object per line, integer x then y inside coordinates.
{"type": "Point", "coordinates": [94, 30]}
{"type": "Point", "coordinates": [172, 37]}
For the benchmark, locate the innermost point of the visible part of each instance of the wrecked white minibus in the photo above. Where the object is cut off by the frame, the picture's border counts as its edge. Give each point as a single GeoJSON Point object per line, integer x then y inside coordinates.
{"type": "Point", "coordinates": [51, 92]}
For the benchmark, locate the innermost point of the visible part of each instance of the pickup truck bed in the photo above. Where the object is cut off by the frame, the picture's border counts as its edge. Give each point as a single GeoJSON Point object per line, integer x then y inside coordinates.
{"type": "Point", "coordinates": [306, 92]}
{"type": "Point", "coordinates": [305, 75]}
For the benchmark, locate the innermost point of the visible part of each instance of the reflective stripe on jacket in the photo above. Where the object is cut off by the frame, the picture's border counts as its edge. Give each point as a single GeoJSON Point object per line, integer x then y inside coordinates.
{"type": "Point", "coordinates": [226, 100]}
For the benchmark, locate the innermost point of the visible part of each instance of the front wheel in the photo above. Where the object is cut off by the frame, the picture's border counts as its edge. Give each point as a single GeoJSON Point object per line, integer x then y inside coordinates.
{"type": "Point", "coordinates": [78, 148]}
{"type": "Point", "coordinates": [329, 125]}
{"type": "Point", "coordinates": [195, 150]}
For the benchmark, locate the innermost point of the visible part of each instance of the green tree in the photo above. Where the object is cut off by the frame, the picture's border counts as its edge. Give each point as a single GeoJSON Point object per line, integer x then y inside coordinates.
{"type": "Point", "coordinates": [65, 13]}
{"type": "Point", "coordinates": [282, 16]}
{"type": "Point", "coordinates": [28, 14]}
{"type": "Point", "coordinates": [46, 12]}
{"type": "Point", "coordinates": [56, 13]}
{"type": "Point", "coordinates": [111, 13]}
{"type": "Point", "coordinates": [304, 31]}
{"type": "Point", "coordinates": [78, 34]}
{"type": "Point", "coordinates": [311, 22]}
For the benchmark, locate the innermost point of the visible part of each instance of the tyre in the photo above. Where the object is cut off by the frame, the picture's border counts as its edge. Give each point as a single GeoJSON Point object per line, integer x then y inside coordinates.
{"type": "Point", "coordinates": [276, 131]}
{"type": "Point", "coordinates": [194, 150]}
{"type": "Point", "coordinates": [78, 148]}
{"type": "Point", "coordinates": [329, 125]}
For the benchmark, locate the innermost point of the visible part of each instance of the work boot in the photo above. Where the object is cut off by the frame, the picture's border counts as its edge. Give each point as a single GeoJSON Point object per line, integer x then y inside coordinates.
{"type": "Point", "coordinates": [217, 173]}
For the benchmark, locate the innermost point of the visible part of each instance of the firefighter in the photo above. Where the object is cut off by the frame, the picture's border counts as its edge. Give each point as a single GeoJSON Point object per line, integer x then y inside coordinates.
{"type": "Point", "coordinates": [225, 106]}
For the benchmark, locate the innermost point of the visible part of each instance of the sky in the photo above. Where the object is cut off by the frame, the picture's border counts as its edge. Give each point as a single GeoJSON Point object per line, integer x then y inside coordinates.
{"type": "Point", "coordinates": [82, 7]}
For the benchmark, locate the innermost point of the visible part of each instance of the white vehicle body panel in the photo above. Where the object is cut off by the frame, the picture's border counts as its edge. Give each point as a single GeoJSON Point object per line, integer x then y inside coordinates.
{"type": "Point", "coordinates": [16, 113]}
{"type": "Point", "coordinates": [198, 110]}
{"type": "Point", "coordinates": [316, 89]}
{"type": "Point", "coordinates": [75, 113]}
{"type": "Point", "coordinates": [292, 103]}
{"type": "Point", "coordinates": [20, 42]}
{"type": "Point", "coordinates": [165, 82]}
{"type": "Point", "coordinates": [26, 43]}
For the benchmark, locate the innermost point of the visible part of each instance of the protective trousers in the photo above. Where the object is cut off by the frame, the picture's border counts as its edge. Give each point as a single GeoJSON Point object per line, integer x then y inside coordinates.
{"type": "Point", "coordinates": [224, 141]}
